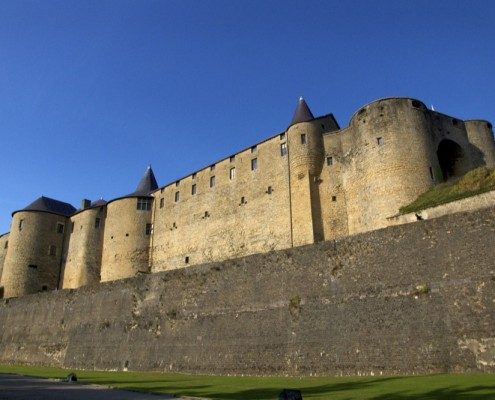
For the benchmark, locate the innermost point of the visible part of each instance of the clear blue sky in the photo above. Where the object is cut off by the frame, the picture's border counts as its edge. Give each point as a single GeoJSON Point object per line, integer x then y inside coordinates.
{"type": "Point", "coordinates": [91, 92]}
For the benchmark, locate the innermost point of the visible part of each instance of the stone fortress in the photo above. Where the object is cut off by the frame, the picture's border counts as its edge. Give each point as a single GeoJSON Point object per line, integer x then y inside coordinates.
{"type": "Point", "coordinates": [312, 182]}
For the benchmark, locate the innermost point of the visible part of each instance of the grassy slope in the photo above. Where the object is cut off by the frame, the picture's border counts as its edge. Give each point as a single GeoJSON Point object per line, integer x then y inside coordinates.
{"type": "Point", "coordinates": [444, 386]}
{"type": "Point", "coordinates": [477, 181]}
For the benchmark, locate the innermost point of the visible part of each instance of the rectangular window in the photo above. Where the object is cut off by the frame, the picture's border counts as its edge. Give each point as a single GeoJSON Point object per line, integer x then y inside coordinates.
{"type": "Point", "coordinates": [254, 164]}
{"type": "Point", "coordinates": [254, 149]}
{"type": "Point", "coordinates": [232, 173]}
{"type": "Point", "coordinates": [6, 244]}
{"type": "Point", "coordinates": [44, 288]}
{"type": "Point", "coordinates": [379, 140]}
{"type": "Point", "coordinates": [162, 202]}
{"type": "Point", "coordinates": [193, 189]}
{"type": "Point", "coordinates": [177, 196]}
{"type": "Point", "coordinates": [212, 181]}
{"type": "Point", "coordinates": [187, 260]}
{"type": "Point", "coordinates": [334, 198]}
{"type": "Point", "coordinates": [243, 200]}
{"type": "Point", "coordinates": [143, 203]}
{"type": "Point", "coordinates": [269, 190]}
{"type": "Point", "coordinates": [97, 223]}
{"type": "Point", "coordinates": [21, 223]}
{"type": "Point", "coordinates": [329, 160]}
{"type": "Point", "coordinates": [283, 149]}
{"type": "Point", "coordinates": [52, 250]}
{"type": "Point", "coordinates": [303, 138]}
{"type": "Point", "coordinates": [60, 227]}
{"type": "Point", "coordinates": [149, 229]}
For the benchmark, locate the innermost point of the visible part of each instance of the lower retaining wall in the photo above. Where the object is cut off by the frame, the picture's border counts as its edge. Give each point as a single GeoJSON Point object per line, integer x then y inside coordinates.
{"type": "Point", "coordinates": [413, 298]}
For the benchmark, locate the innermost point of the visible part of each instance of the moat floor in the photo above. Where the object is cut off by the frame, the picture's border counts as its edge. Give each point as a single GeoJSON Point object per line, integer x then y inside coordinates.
{"type": "Point", "coordinates": [28, 388]}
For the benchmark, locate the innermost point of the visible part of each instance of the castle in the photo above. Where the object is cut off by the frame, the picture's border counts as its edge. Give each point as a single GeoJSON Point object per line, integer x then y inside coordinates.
{"type": "Point", "coordinates": [312, 182]}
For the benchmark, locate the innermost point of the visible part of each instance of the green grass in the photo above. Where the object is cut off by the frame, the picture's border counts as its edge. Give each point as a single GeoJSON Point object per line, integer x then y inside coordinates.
{"type": "Point", "coordinates": [475, 182]}
{"type": "Point", "coordinates": [441, 386]}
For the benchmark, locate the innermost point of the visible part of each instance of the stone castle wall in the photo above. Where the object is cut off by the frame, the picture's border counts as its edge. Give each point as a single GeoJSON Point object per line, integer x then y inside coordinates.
{"type": "Point", "coordinates": [4, 243]}
{"type": "Point", "coordinates": [414, 298]}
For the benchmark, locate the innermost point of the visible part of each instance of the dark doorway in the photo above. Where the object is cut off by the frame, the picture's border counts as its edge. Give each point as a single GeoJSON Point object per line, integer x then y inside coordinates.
{"type": "Point", "coordinates": [451, 158]}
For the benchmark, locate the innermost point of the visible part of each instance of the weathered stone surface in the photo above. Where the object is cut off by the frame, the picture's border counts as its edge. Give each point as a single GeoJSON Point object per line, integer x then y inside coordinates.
{"type": "Point", "coordinates": [412, 298]}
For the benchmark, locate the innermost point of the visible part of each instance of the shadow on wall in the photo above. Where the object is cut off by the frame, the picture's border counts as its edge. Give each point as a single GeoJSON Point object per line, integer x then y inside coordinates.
{"type": "Point", "coordinates": [452, 159]}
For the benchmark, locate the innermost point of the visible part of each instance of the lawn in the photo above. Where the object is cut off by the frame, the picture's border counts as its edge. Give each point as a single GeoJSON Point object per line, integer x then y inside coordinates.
{"type": "Point", "coordinates": [441, 386]}
{"type": "Point", "coordinates": [475, 182]}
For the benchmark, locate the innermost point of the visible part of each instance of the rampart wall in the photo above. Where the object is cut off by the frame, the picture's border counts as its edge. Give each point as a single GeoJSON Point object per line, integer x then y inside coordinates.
{"type": "Point", "coordinates": [414, 298]}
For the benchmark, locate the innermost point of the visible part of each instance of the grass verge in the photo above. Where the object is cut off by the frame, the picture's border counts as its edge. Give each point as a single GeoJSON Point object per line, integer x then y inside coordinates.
{"type": "Point", "coordinates": [440, 386]}
{"type": "Point", "coordinates": [475, 182]}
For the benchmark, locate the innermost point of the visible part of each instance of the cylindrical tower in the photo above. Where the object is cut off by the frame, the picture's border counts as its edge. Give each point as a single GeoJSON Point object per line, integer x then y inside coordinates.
{"type": "Point", "coordinates": [128, 229]}
{"type": "Point", "coordinates": [306, 154]}
{"type": "Point", "coordinates": [480, 135]}
{"type": "Point", "coordinates": [83, 259]}
{"type": "Point", "coordinates": [34, 254]}
{"type": "Point", "coordinates": [391, 161]}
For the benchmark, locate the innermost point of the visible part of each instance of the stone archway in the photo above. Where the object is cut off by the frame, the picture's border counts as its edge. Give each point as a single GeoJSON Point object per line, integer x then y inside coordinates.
{"type": "Point", "coordinates": [451, 158]}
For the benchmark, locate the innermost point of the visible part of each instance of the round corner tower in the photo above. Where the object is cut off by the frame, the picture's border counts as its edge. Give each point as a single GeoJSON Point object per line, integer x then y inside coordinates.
{"type": "Point", "coordinates": [36, 242]}
{"type": "Point", "coordinates": [128, 229]}
{"type": "Point", "coordinates": [480, 136]}
{"type": "Point", "coordinates": [306, 155]}
{"type": "Point", "coordinates": [83, 260]}
{"type": "Point", "coordinates": [392, 160]}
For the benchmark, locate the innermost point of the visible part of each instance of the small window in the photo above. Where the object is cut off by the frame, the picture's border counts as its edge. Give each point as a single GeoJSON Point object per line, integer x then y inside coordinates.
{"type": "Point", "coordinates": [60, 227]}
{"type": "Point", "coordinates": [431, 174]}
{"type": "Point", "coordinates": [254, 164]}
{"type": "Point", "coordinates": [6, 244]}
{"type": "Point", "coordinates": [162, 202]}
{"type": "Point", "coordinates": [44, 288]}
{"type": "Point", "coordinates": [334, 198]}
{"type": "Point", "coordinates": [33, 266]}
{"type": "Point", "coordinates": [52, 250]}
{"type": "Point", "coordinates": [329, 160]}
{"type": "Point", "coordinates": [254, 149]}
{"type": "Point", "coordinates": [212, 167]}
{"type": "Point", "coordinates": [232, 173]}
{"type": "Point", "coordinates": [143, 203]}
{"type": "Point", "coordinates": [283, 149]}
{"type": "Point", "coordinates": [72, 227]}
{"type": "Point", "coordinates": [21, 224]}
{"type": "Point", "coordinates": [212, 181]}
{"type": "Point", "coordinates": [379, 141]}
{"type": "Point", "coordinates": [187, 260]}
{"type": "Point", "coordinates": [282, 136]}
{"type": "Point", "coordinates": [97, 223]}
{"type": "Point", "coordinates": [303, 138]}
{"type": "Point", "coordinates": [149, 229]}
{"type": "Point", "coordinates": [177, 196]}
{"type": "Point", "coordinates": [243, 200]}
{"type": "Point", "coordinates": [269, 190]}
{"type": "Point", "coordinates": [193, 176]}
{"type": "Point", "coordinates": [232, 158]}
{"type": "Point", "coordinates": [322, 126]}
{"type": "Point", "coordinates": [193, 189]}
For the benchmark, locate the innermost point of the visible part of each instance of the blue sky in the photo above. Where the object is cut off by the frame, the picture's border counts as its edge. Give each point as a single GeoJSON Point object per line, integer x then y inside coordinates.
{"type": "Point", "coordinates": [91, 92]}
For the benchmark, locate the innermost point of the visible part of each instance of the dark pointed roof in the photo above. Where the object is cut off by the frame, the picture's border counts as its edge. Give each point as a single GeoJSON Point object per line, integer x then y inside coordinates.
{"type": "Point", "coordinates": [146, 185]}
{"type": "Point", "coordinates": [302, 113]}
{"type": "Point", "coordinates": [46, 204]}
{"type": "Point", "coordinates": [98, 203]}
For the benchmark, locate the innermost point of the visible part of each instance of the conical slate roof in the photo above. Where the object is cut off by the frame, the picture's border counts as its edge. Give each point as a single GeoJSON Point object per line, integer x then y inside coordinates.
{"type": "Point", "coordinates": [302, 113]}
{"type": "Point", "coordinates": [147, 184]}
{"type": "Point", "coordinates": [46, 204]}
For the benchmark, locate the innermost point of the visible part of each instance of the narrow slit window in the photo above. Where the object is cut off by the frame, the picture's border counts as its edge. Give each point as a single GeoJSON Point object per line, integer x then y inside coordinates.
{"type": "Point", "coordinates": [177, 196]}
{"type": "Point", "coordinates": [329, 160]}
{"type": "Point", "coordinates": [44, 288]}
{"type": "Point", "coordinates": [60, 227]}
{"type": "Point", "coordinates": [193, 176]}
{"type": "Point", "coordinates": [334, 198]}
{"type": "Point", "coordinates": [303, 138]}
{"type": "Point", "coordinates": [379, 141]}
{"type": "Point", "coordinates": [97, 223]}
{"type": "Point", "coordinates": [21, 224]}
{"type": "Point", "coordinates": [232, 173]}
{"type": "Point", "coordinates": [212, 181]}
{"type": "Point", "coordinates": [162, 202]}
{"type": "Point", "coordinates": [6, 244]}
{"type": "Point", "coordinates": [193, 189]}
{"type": "Point", "coordinates": [254, 164]}
{"type": "Point", "coordinates": [186, 260]}
{"type": "Point", "coordinates": [149, 229]}
{"type": "Point", "coordinates": [243, 200]}
{"type": "Point", "coordinates": [269, 190]}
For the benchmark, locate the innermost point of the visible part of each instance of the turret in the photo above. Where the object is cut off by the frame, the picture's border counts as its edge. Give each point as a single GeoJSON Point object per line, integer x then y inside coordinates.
{"type": "Point", "coordinates": [36, 241]}
{"type": "Point", "coordinates": [306, 154]}
{"type": "Point", "coordinates": [128, 229]}
{"type": "Point", "coordinates": [480, 135]}
{"type": "Point", "coordinates": [85, 243]}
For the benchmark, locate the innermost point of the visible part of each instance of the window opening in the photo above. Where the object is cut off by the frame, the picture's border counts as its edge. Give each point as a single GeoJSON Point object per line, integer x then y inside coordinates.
{"type": "Point", "coordinates": [143, 203]}
{"type": "Point", "coordinates": [193, 189]}
{"type": "Point", "coordinates": [60, 227]}
{"type": "Point", "coordinates": [269, 190]}
{"type": "Point", "coordinates": [303, 138]}
{"type": "Point", "coordinates": [334, 198]}
{"type": "Point", "coordinates": [187, 260]}
{"type": "Point", "coordinates": [254, 164]}
{"type": "Point", "coordinates": [21, 223]}
{"type": "Point", "coordinates": [212, 181]}
{"type": "Point", "coordinates": [149, 229]}
{"type": "Point", "coordinates": [283, 149]}
{"type": "Point", "coordinates": [254, 149]}
{"type": "Point", "coordinates": [212, 167]}
{"type": "Point", "coordinates": [6, 244]}
{"type": "Point", "coordinates": [193, 176]}
{"type": "Point", "coordinates": [162, 202]}
{"type": "Point", "coordinates": [232, 173]}
{"type": "Point", "coordinates": [431, 174]}
{"type": "Point", "coordinates": [97, 223]}
{"type": "Point", "coordinates": [329, 160]}
{"type": "Point", "coordinates": [177, 196]}
{"type": "Point", "coordinates": [52, 250]}
{"type": "Point", "coordinates": [379, 140]}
